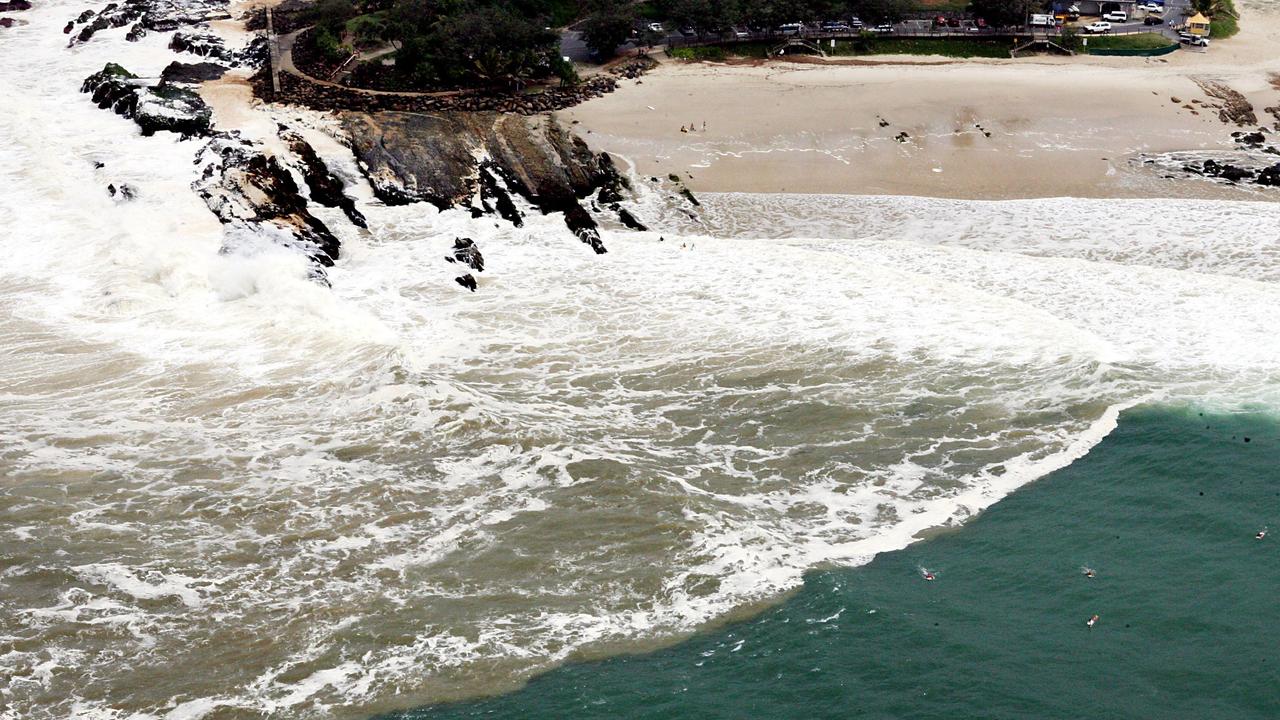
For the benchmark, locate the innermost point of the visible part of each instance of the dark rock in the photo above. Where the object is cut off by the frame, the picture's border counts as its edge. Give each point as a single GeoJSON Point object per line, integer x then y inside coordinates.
{"type": "Point", "coordinates": [466, 281]}
{"type": "Point", "coordinates": [14, 5]}
{"type": "Point", "coordinates": [1253, 139]}
{"type": "Point", "coordinates": [124, 192]}
{"type": "Point", "coordinates": [66, 29]}
{"type": "Point", "coordinates": [491, 188]}
{"type": "Point", "coordinates": [1225, 171]}
{"type": "Point", "coordinates": [467, 252]}
{"type": "Point", "coordinates": [256, 197]}
{"type": "Point", "coordinates": [191, 73]}
{"type": "Point", "coordinates": [324, 187]}
{"type": "Point", "coordinates": [629, 220]}
{"type": "Point", "coordinates": [689, 196]}
{"type": "Point", "coordinates": [1269, 176]}
{"type": "Point", "coordinates": [208, 45]}
{"type": "Point", "coordinates": [172, 108]}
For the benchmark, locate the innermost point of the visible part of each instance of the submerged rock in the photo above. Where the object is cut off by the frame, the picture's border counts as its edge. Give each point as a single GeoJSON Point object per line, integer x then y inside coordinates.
{"type": "Point", "coordinates": [446, 158]}
{"type": "Point", "coordinates": [467, 252]}
{"type": "Point", "coordinates": [466, 281]}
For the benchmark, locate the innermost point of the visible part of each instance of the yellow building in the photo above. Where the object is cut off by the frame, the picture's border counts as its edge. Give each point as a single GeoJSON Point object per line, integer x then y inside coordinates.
{"type": "Point", "coordinates": [1198, 24]}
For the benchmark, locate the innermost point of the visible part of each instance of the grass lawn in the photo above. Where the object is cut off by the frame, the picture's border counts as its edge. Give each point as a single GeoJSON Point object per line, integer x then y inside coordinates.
{"type": "Point", "coordinates": [1145, 41]}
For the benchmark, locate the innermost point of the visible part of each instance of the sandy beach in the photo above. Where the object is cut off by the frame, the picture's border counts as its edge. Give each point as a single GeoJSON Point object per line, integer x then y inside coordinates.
{"type": "Point", "coordinates": [1038, 127]}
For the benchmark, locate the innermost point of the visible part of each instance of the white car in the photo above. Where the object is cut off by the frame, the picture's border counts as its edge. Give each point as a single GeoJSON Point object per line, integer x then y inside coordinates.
{"type": "Point", "coordinates": [1097, 27]}
{"type": "Point", "coordinates": [656, 27]}
{"type": "Point", "coordinates": [1152, 8]}
{"type": "Point", "coordinates": [1116, 16]}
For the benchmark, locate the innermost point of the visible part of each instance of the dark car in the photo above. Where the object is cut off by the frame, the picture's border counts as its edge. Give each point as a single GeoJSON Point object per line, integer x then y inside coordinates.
{"type": "Point", "coordinates": [980, 24]}
{"type": "Point", "coordinates": [940, 21]}
{"type": "Point", "coordinates": [1153, 20]}
{"type": "Point", "coordinates": [953, 22]}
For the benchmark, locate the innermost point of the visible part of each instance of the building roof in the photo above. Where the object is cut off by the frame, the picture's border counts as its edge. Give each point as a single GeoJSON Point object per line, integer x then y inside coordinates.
{"type": "Point", "coordinates": [1198, 19]}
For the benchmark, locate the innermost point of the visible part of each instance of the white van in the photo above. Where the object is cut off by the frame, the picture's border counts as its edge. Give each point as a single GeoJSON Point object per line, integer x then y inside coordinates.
{"type": "Point", "coordinates": [1042, 21]}
{"type": "Point", "coordinates": [1116, 16]}
{"type": "Point", "coordinates": [790, 28]}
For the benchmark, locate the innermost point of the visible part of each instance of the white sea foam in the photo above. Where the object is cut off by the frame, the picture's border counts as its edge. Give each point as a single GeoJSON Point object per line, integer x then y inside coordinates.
{"type": "Point", "coordinates": [414, 492]}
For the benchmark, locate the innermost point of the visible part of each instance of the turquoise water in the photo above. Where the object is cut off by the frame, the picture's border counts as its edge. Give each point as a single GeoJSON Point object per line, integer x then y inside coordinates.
{"type": "Point", "coordinates": [1165, 510]}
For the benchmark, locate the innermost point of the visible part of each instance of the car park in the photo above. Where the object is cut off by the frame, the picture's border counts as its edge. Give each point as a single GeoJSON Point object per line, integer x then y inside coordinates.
{"type": "Point", "coordinates": [1097, 27]}
{"type": "Point", "coordinates": [1116, 16]}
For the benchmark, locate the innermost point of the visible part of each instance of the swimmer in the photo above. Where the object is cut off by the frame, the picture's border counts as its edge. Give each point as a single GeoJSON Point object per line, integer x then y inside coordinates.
{"type": "Point", "coordinates": [1091, 621]}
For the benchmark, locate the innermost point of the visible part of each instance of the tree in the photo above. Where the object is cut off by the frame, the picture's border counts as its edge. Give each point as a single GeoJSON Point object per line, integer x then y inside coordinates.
{"type": "Point", "coordinates": [606, 29]}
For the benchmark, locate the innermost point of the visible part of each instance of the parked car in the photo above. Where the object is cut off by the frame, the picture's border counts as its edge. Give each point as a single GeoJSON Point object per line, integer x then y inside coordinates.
{"type": "Point", "coordinates": [855, 23]}
{"type": "Point", "coordinates": [656, 27]}
{"type": "Point", "coordinates": [882, 29]}
{"type": "Point", "coordinates": [982, 24]}
{"type": "Point", "coordinates": [790, 28]}
{"type": "Point", "coordinates": [1193, 40]}
{"type": "Point", "coordinates": [1151, 8]}
{"type": "Point", "coordinates": [1097, 27]}
{"type": "Point", "coordinates": [835, 26]}
{"type": "Point", "coordinates": [940, 21]}
{"type": "Point", "coordinates": [953, 22]}
{"type": "Point", "coordinates": [741, 33]}
{"type": "Point", "coordinates": [1116, 16]}
{"type": "Point", "coordinates": [1153, 20]}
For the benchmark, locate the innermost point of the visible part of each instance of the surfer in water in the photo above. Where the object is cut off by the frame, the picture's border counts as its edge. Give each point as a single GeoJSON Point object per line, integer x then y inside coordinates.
{"type": "Point", "coordinates": [928, 576]}
{"type": "Point", "coordinates": [1088, 571]}
{"type": "Point", "coordinates": [1260, 534]}
{"type": "Point", "coordinates": [1092, 621]}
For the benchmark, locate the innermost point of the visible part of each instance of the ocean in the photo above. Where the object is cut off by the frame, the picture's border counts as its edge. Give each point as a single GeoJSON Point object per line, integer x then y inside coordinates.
{"type": "Point", "coordinates": [228, 491]}
{"type": "Point", "coordinates": [1164, 511]}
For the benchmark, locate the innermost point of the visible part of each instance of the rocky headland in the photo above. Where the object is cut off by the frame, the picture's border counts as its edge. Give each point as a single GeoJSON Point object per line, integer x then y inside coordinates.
{"type": "Point", "coordinates": [478, 160]}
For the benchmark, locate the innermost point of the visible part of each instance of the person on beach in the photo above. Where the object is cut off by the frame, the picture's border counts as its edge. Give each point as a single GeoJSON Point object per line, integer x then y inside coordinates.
{"type": "Point", "coordinates": [683, 129]}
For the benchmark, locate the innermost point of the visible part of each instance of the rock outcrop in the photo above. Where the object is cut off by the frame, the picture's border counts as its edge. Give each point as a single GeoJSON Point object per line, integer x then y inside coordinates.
{"type": "Point", "coordinates": [202, 42]}
{"type": "Point", "coordinates": [447, 159]}
{"type": "Point", "coordinates": [323, 186]}
{"type": "Point", "coordinates": [253, 194]}
{"type": "Point", "coordinates": [145, 15]}
{"type": "Point", "coordinates": [166, 106]}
